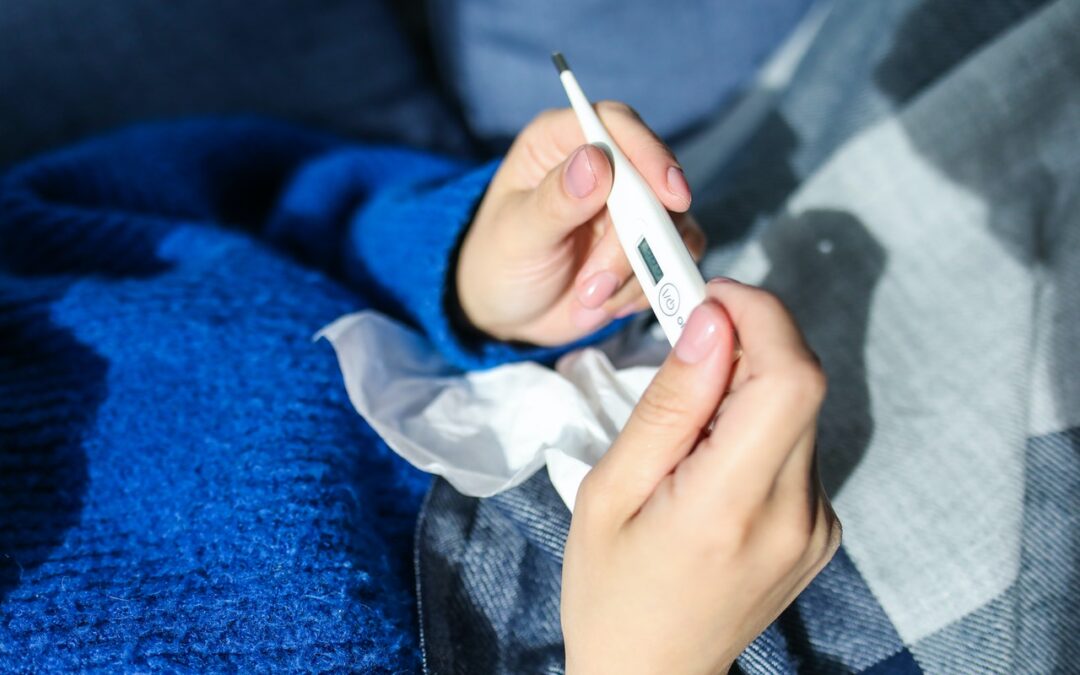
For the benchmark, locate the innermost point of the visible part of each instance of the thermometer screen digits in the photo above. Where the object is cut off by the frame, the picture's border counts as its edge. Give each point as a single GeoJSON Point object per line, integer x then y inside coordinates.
{"type": "Point", "coordinates": [650, 261]}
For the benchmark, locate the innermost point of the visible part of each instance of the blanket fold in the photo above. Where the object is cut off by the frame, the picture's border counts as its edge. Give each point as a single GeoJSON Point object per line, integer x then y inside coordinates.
{"type": "Point", "coordinates": [183, 484]}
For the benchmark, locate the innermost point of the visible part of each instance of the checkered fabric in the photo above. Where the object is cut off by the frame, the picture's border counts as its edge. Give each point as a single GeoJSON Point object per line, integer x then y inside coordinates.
{"type": "Point", "coordinates": [914, 197]}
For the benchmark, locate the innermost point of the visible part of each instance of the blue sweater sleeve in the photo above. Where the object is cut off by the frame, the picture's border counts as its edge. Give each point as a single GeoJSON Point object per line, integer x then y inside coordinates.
{"type": "Point", "coordinates": [409, 213]}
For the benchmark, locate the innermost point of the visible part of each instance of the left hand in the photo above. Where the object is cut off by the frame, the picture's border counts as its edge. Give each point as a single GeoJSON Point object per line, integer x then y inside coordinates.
{"type": "Point", "coordinates": [541, 262]}
{"type": "Point", "coordinates": [697, 528]}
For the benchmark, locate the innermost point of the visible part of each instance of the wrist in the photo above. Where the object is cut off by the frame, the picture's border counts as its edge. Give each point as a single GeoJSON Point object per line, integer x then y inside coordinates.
{"type": "Point", "coordinates": [458, 301]}
{"type": "Point", "coordinates": [466, 314]}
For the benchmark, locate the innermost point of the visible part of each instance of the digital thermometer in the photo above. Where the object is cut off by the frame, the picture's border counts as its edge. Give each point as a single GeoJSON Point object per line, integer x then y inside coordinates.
{"type": "Point", "coordinates": [656, 251]}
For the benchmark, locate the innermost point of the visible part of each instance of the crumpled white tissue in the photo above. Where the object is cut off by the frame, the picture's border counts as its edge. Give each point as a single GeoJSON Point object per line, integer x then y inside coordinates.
{"type": "Point", "coordinates": [490, 430]}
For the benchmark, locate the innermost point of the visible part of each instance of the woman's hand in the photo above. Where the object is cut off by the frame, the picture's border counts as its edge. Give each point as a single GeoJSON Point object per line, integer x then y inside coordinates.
{"type": "Point", "coordinates": [541, 262]}
{"type": "Point", "coordinates": [687, 542]}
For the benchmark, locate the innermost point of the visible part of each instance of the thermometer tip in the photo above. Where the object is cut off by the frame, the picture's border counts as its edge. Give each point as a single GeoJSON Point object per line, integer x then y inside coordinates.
{"type": "Point", "coordinates": [560, 61]}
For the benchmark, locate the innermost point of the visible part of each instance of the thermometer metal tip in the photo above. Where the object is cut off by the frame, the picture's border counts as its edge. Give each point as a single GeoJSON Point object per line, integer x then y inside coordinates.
{"type": "Point", "coordinates": [560, 61]}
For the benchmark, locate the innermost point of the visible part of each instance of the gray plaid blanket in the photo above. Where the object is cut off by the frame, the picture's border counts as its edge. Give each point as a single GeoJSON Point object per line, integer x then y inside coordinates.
{"type": "Point", "coordinates": [914, 197]}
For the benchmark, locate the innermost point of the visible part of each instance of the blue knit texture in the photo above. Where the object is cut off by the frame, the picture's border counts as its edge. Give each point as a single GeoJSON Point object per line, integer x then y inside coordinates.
{"type": "Point", "coordinates": [183, 483]}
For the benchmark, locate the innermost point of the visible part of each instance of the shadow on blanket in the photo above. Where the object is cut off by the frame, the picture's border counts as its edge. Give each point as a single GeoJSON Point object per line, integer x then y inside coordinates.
{"type": "Point", "coordinates": [41, 493]}
{"type": "Point", "coordinates": [44, 478]}
{"type": "Point", "coordinates": [44, 475]}
{"type": "Point", "coordinates": [753, 187]}
{"type": "Point", "coordinates": [825, 266]}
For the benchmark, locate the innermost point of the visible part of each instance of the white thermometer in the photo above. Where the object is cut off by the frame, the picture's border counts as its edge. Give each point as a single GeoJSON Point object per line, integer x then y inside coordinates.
{"type": "Point", "coordinates": [663, 266]}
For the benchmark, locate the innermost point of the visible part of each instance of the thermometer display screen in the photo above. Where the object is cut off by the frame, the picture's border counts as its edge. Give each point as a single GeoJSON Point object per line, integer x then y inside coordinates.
{"type": "Point", "coordinates": [650, 261]}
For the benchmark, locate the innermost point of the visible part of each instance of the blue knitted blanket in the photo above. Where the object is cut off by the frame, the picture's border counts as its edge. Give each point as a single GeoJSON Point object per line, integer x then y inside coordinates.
{"type": "Point", "coordinates": [183, 484]}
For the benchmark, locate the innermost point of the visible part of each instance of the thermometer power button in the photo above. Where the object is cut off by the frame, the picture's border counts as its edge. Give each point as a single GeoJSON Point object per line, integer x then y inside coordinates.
{"type": "Point", "coordinates": [669, 299]}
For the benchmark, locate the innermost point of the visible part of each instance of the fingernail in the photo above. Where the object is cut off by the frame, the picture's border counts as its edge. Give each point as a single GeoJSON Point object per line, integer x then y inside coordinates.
{"type": "Point", "coordinates": [677, 185]}
{"type": "Point", "coordinates": [580, 177]}
{"type": "Point", "coordinates": [587, 319]}
{"type": "Point", "coordinates": [595, 290]}
{"type": "Point", "coordinates": [700, 336]}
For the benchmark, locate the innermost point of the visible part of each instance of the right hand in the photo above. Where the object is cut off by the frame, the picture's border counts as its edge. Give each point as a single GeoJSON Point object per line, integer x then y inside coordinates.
{"type": "Point", "coordinates": [541, 262]}
{"type": "Point", "coordinates": [686, 543]}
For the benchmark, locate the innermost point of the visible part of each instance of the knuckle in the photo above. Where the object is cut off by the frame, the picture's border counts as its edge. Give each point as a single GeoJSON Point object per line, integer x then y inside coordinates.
{"type": "Point", "coordinates": [739, 516]}
{"type": "Point", "coordinates": [809, 380]}
{"type": "Point", "coordinates": [793, 540]}
{"type": "Point", "coordinates": [769, 302]}
{"type": "Point", "coordinates": [802, 383]}
{"type": "Point", "coordinates": [730, 537]}
{"type": "Point", "coordinates": [589, 505]}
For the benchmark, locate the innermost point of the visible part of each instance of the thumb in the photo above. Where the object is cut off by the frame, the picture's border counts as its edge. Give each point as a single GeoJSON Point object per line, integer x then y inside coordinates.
{"type": "Point", "coordinates": [668, 421]}
{"type": "Point", "coordinates": [569, 195]}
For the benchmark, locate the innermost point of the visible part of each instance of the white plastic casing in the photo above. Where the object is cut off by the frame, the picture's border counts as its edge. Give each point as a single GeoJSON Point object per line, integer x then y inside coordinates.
{"type": "Point", "coordinates": [638, 215]}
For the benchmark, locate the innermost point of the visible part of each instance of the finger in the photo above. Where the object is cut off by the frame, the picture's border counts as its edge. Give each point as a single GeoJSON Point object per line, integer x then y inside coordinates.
{"type": "Point", "coordinates": [630, 307]}
{"type": "Point", "coordinates": [652, 157]}
{"type": "Point", "coordinates": [768, 336]}
{"type": "Point", "coordinates": [667, 421]}
{"type": "Point", "coordinates": [606, 278]}
{"type": "Point", "coordinates": [605, 270]}
{"type": "Point", "coordinates": [629, 299]}
{"type": "Point", "coordinates": [555, 133]}
{"type": "Point", "coordinates": [569, 195]}
{"type": "Point", "coordinates": [738, 464]}
{"type": "Point", "coordinates": [767, 417]}
{"type": "Point", "coordinates": [692, 234]}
